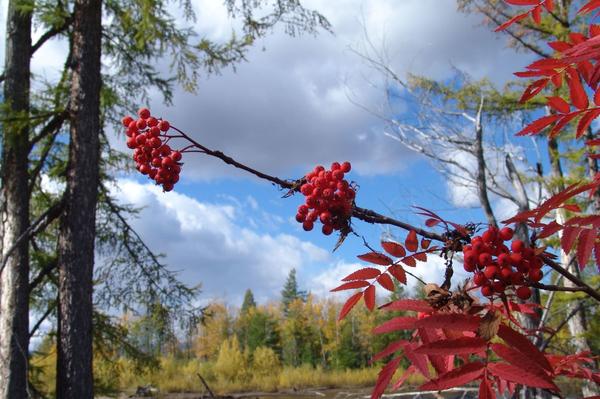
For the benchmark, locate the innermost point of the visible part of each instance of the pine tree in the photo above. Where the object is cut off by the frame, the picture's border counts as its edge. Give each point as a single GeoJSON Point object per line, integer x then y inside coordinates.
{"type": "Point", "coordinates": [248, 302]}
{"type": "Point", "coordinates": [290, 291]}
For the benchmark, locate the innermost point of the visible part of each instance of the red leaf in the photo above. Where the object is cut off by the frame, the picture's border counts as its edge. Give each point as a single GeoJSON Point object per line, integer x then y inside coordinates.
{"type": "Point", "coordinates": [395, 324]}
{"type": "Point", "coordinates": [409, 261]}
{"type": "Point", "coordinates": [370, 297]}
{"type": "Point", "coordinates": [568, 238]}
{"type": "Point", "coordinates": [594, 30]}
{"type": "Point", "coordinates": [349, 304]}
{"type": "Point", "coordinates": [560, 46]}
{"type": "Point", "coordinates": [391, 348]}
{"type": "Point", "coordinates": [363, 274]}
{"type": "Point", "coordinates": [576, 91]}
{"type": "Point", "coordinates": [431, 222]}
{"type": "Point", "coordinates": [522, 344]}
{"type": "Point", "coordinates": [564, 120]}
{"type": "Point", "coordinates": [425, 243]}
{"type": "Point", "coordinates": [589, 6]}
{"type": "Point", "coordinates": [414, 305]}
{"type": "Point", "coordinates": [585, 246]}
{"type": "Point", "coordinates": [386, 282]}
{"type": "Point", "coordinates": [351, 285]}
{"type": "Point", "coordinates": [537, 125]}
{"type": "Point", "coordinates": [549, 4]}
{"type": "Point", "coordinates": [456, 377]}
{"type": "Point", "coordinates": [420, 361]}
{"type": "Point", "coordinates": [520, 360]}
{"type": "Point", "coordinates": [559, 104]}
{"type": "Point", "coordinates": [409, 371]}
{"type": "Point", "coordinates": [577, 37]}
{"type": "Point", "coordinates": [511, 21]}
{"type": "Point", "coordinates": [550, 229]}
{"type": "Point", "coordinates": [557, 80]}
{"type": "Point", "coordinates": [520, 376]}
{"type": "Point", "coordinates": [393, 248]}
{"type": "Point", "coordinates": [522, 2]}
{"type": "Point", "coordinates": [464, 345]}
{"type": "Point", "coordinates": [485, 390]}
{"type": "Point", "coordinates": [585, 122]}
{"type": "Point", "coordinates": [398, 272]}
{"type": "Point", "coordinates": [536, 14]}
{"type": "Point", "coordinates": [597, 97]}
{"type": "Point", "coordinates": [451, 321]}
{"type": "Point", "coordinates": [533, 89]}
{"type": "Point", "coordinates": [384, 377]}
{"type": "Point", "coordinates": [376, 258]}
{"type": "Point", "coordinates": [412, 243]}
{"type": "Point", "coordinates": [420, 256]}
{"type": "Point", "coordinates": [597, 254]}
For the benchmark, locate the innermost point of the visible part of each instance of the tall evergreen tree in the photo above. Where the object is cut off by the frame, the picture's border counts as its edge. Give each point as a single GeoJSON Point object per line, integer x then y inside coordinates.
{"type": "Point", "coordinates": [249, 302]}
{"type": "Point", "coordinates": [290, 291]}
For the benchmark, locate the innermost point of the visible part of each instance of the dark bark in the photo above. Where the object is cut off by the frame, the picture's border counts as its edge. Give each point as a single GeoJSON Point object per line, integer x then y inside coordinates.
{"type": "Point", "coordinates": [14, 197]}
{"type": "Point", "coordinates": [77, 226]}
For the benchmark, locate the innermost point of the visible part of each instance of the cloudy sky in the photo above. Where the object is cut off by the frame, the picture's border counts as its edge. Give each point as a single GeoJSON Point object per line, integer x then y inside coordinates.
{"type": "Point", "coordinates": [298, 102]}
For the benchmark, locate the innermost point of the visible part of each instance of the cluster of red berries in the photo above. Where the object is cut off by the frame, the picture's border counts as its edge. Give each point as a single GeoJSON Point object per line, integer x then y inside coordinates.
{"type": "Point", "coordinates": [152, 154]}
{"type": "Point", "coordinates": [329, 198]}
{"type": "Point", "coordinates": [498, 267]}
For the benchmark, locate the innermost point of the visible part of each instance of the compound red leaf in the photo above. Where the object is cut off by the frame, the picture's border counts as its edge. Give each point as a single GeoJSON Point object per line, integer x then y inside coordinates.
{"type": "Point", "coordinates": [415, 305]}
{"type": "Point", "coordinates": [559, 104]}
{"type": "Point", "coordinates": [393, 248]}
{"type": "Point", "coordinates": [398, 272]}
{"type": "Point", "coordinates": [369, 296]}
{"type": "Point", "coordinates": [520, 376]}
{"type": "Point", "coordinates": [456, 377]}
{"type": "Point", "coordinates": [539, 124]}
{"type": "Point", "coordinates": [451, 321]}
{"type": "Point", "coordinates": [522, 344]}
{"type": "Point", "coordinates": [384, 377]}
{"type": "Point", "coordinates": [485, 390]}
{"type": "Point", "coordinates": [585, 246]}
{"type": "Point", "coordinates": [395, 324]}
{"type": "Point", "coordinates": [350, 303]}
{"type": "Point", "coordinates": [520, 360]}
{"type": "Point", "coordinates": [459, 346]}
{"type": "Point", "coordinates": [351, 285]}
{"type": "Point", "coordinates": [585, 122]}
{"type": "Point", "coordinates": [363, 274]}
{"type": "Point", "coordinates": [412, 243]}
{"type": "Point", "coordinates": [386, 282]}
{"type": "Point", "coordinates": [391, 348]}
{"type": "Point", "coordinates": [578, 97]}
{"type": "Point", "coordinates": [376, 258]}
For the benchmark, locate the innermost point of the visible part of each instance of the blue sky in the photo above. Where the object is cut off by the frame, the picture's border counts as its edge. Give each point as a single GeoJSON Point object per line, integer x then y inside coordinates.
{"type": "Point", "coordinates": [295, 103]}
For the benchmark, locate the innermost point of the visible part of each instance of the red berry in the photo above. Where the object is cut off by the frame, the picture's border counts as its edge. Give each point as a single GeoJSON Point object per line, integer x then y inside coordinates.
{"type": "Point", "coordinates": [487, 290]}
{"type": "Point", "coordinates": [470, 267]}
{"type": "Point", "coordinates": [346, 167]}
{"type": "Point", "coordinates": [307, 225]}
{"type": "Point", "coordinates": [300, 217]}
{"type": "Point", "coordinates": [516, 259]}
{"type": "Point", "coordinates": [479, 279]}
{"type": "Point", "coordinates": [503, 259]}
{"type": "Point", "coordinates": [490, 271]}
{"type": "Point", "coordinates": [307, 189]}
{"type": "Point", "coordinates": [505, 273]}
{"type": "Point", "coordinates": [140, 124]}
{"type": "Point", "coordinates": [303, 209]}
{"type": "Point", "coordinates": [485, 259]}
{"type": "Point", "coordinates": [167, 187]}
{"type": "Point", "coordinates": [517, 246]}
{"type": "Point", "coordinates": [164, 125]}
{"type": "Point", "coordinates": [154, 131]}
{"type": "Point", "coordinates": [506, 233]}
{"type": "Point", "coordinates": [131, 143]}
{"type": "Point", "coordinates": [535, 275]}
{"type": "Point", "coordinates": [327, 229]}
{"type": "Point", "coordinates": [152, 121]}
{"type": "Point", "coordinates": [144, 113]}
{"type": "Point", "coordinates": [176, 156]}
{"type": "Point", "coordinates": [498, 286]}
{"type": "Point", "coordinates": [145, 169]}
{"type": "Point", "coordinates": [489, 236]}
{"type": "Point", "coordinates": [140, 139]}
{"type": "Point", "coordinates": [167, 161]}
{"type": "Point", "coordinates": [127, 120]}
{"type": "Point", "coordinates": [154, 142]}
{"type": "Point", "coordinates": [517, 278]}
{"type": "Point", "coordinates": [524, 292]}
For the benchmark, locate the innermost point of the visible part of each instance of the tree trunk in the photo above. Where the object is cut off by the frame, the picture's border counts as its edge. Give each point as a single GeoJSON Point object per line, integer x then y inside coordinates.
{"type": "Point", "coordinates": [77, 225]}
{"type": "Point", "coordinates": [14, 277]}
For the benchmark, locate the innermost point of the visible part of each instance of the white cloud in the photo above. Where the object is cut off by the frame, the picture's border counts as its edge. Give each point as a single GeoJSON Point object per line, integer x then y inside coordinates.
{"type": "Point", "coordinates": [210, 244]}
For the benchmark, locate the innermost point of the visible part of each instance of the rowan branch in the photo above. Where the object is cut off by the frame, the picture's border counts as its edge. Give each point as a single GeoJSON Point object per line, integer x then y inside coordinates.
{"type": "Point", "coordinates": [581, 285]}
